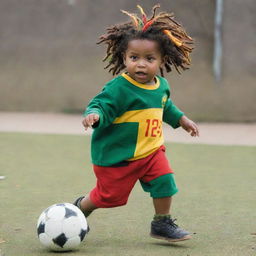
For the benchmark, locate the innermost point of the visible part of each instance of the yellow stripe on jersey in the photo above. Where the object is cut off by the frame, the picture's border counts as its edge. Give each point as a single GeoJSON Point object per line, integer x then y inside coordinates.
{"type": "Point", "coordinates": [150, 135]}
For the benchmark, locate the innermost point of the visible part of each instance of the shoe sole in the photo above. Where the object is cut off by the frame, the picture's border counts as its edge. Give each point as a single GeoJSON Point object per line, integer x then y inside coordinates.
{"type": "Point", "coordinates": [187, 237]}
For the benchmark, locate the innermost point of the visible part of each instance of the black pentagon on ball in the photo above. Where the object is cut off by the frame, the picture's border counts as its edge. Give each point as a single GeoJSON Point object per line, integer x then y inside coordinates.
{"type": "Point", "coordinates": [69, 213]}
{"type": "Point", "coordinates": [82, 234]}
{"type": "Point", "coordinates": [60, 240]}
{"type": "Point", "coordinates": [41, 228]}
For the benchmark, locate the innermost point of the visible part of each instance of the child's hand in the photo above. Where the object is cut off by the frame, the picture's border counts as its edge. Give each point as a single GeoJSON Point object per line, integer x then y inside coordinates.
{"type": "Point", "coordinates": [189, 126]}
{"type": "Point", "coordinates": [90, 120]}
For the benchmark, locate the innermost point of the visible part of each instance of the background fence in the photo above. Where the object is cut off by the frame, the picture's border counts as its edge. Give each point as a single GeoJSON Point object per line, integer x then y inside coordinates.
{"type": "Point", "coordinates": [49, 60]}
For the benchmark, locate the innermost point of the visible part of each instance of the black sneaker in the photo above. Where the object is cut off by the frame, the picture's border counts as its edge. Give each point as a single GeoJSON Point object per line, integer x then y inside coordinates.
{"type": "Point", "coordinates": [77, 202]}
{"type": "Point", "coordinates": [166, 229]}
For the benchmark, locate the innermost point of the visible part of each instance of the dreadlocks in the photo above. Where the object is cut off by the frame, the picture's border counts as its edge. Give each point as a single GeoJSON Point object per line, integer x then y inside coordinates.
{"type": "Point", "coordinates": [175, 44]}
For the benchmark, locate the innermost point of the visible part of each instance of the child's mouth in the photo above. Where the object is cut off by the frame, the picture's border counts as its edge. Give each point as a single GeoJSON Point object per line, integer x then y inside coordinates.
{"type": "Point", "coordinates": [141, 74]}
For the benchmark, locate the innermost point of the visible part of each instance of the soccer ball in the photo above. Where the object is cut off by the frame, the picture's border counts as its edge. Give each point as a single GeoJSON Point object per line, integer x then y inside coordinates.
{"type": "Point", "coordinates": [62, 227]}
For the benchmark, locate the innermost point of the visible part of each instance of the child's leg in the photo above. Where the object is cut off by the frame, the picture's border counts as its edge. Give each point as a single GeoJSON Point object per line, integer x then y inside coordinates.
{"type": "Point", "coordinates": [114, 184]}
{"type": "Point", "coordinates": [163, 227]}
{"type": "Point", "coordinates": [85, 204]}
{"type": "Point", "coordinates": [162, 205]}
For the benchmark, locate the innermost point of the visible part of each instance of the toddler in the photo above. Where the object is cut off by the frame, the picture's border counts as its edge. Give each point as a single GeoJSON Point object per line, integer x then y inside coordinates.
{"type": "Point", "coordinates": [127, 142]}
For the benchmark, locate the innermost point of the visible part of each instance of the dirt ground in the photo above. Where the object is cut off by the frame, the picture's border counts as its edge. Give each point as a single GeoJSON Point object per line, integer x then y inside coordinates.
{"type": "Point", "coordinates": [57, 123]}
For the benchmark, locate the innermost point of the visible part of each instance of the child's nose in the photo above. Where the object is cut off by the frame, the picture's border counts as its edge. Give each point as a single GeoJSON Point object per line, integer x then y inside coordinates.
{"type": "Point", "coordinates": [141, 63]}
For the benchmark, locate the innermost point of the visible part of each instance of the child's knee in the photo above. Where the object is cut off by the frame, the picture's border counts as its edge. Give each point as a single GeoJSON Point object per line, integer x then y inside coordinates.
{"type": "Point", "coordinates": [107, 200]}
{"type": "Point", "coordinates": [113, 201]}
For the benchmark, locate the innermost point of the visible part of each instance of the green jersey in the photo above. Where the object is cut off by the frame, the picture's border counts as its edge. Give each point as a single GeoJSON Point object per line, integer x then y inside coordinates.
{"type": "Point", "coordinates": [131, 117]}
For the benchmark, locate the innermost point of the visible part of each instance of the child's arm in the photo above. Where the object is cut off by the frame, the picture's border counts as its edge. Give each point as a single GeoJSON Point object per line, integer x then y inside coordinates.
{"type": "Point", "coordinates": [176, 118]}
{"type": "Point", "coordinates": [189, 126]}
{"type": "Point", "coordinates": [172, 114]}
{"type": "Point", "coordinates": [103, 108]}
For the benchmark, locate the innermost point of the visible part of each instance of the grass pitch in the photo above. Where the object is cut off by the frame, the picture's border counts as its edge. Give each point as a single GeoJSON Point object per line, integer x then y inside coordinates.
{"type": "Point", "coordinates": [216, 199]}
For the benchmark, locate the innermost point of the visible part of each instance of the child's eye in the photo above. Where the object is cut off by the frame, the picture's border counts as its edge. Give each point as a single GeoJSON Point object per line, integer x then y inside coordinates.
{"type": "Point", "coordinates": [133, 57]}
{"type": "Point", "coordinates": [150, 58]}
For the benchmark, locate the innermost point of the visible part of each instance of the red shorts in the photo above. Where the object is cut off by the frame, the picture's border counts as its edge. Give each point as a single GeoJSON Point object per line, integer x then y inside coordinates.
{"type": "Point", "coordinates": [114, 183]}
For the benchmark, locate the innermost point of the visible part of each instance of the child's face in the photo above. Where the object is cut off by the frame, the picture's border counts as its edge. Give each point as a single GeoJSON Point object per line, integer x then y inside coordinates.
{"type": "Point", "coordinates": [143, 60]}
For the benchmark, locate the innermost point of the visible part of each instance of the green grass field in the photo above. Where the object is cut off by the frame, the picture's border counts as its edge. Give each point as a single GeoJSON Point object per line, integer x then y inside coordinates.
{"type": "Point", "coordinates": [216, 199]}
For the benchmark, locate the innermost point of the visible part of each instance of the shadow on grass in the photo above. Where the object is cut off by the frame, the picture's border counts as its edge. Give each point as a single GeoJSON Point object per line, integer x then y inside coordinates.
{"type": "Point", "coordinates": [143, 244]}
{"type": "Point", "coordinates": [179, 245]}
{"type": "Point", "coordinates": [44, 251]}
